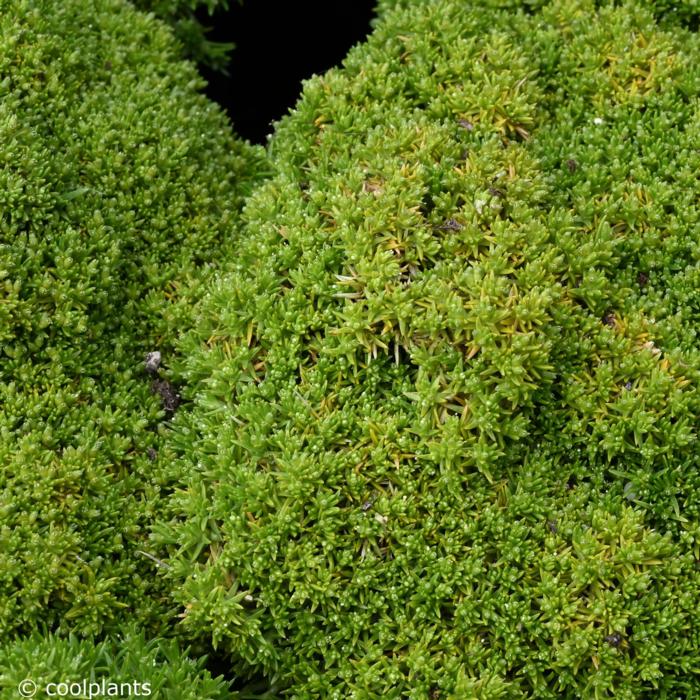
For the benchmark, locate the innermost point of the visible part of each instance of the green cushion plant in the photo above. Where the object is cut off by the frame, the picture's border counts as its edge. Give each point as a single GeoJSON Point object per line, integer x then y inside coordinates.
{"type": "Point", "coordinates": [127, 665]}
{"type": "Point", "coordinates": [181, 16]}
{"type": "Point", "coordinates": [443, 442]}
{"type": "Point", "coordinates": [120, 188]}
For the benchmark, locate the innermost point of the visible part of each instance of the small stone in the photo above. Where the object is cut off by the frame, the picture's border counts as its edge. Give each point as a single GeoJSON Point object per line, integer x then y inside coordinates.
{"type": "Point", "coordinates": [628, 386]}
{"type": "Point", "coordinates": [609, 320]}
{"type": "Point", "coordinates": [167, 393]}
{"type": "Point", "coordinates": [465, 124]}
{"type": "Point", "coordinates": [451, 225]}
{"type": "Point", "coordinates": [152, 454]}
{"type": "Point", "coordinates": [614, 639]}
{"type": "Point", "coordinates": [153, 362]}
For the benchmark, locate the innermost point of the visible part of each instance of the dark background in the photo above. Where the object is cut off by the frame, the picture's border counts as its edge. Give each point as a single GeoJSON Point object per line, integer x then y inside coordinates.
{"type": "Point", "coordinates": [278, 44]}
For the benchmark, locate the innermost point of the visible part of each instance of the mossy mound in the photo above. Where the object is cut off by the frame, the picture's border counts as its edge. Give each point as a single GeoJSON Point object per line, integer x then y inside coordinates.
{"type": "Point", "coordinates": [445, 422]}
{"type": "Point", "coordinates": [125, 665]}
{"type": "Point", "coordinates": [120, 186]}
{"type": "Point", "coordinates": [181, 16]}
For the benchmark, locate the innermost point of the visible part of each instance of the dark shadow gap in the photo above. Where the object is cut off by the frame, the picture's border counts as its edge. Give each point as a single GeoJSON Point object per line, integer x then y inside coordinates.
{"type": "Point", "coordinates": [219, 664]}
{"type": "Point", "coordinates": [277, 46]}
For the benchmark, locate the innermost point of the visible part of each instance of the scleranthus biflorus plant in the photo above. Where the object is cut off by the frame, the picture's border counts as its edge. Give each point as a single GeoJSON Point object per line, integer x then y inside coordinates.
{"type": "Point", "coordinates": [126, 665]}
{"type": "Point", "coordinates": [444, 437]}
{"type": "Point", "coordinates": [181, 16]}
{"type": "Point", "coordinates": [120, 187]}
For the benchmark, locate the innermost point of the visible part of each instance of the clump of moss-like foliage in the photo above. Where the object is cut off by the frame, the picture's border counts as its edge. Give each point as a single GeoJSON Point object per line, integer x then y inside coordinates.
{"type": "Point", "coordinates": [181, 16]}
{"type": "Point", "coordinates": [120, 186]}
{"type": "Point", "coordinates": [128, 665]}
{"type": "Point", "coordinates": [445, 429]}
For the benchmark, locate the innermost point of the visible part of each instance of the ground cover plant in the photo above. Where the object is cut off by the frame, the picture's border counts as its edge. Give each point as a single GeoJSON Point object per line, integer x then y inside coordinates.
{"type": "Point", "coordinates": [120, 188]}
{"type": "Point", "coordinates": [431, 432]}
{"type": "Point", "coordinates": [127, 665]}
{"type": "Point", "coordinates": [443, 442]}
{"type": "Point", "coordinates": [181, 16]}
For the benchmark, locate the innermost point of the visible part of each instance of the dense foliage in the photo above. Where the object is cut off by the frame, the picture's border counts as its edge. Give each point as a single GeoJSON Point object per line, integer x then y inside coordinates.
{"type": "Point", "coordinates": [160, 668]}
{"type": "Point", "coordinates": [444, 432]}
{"type": "Point", "coordinates": [120, 187]}
{"type": "Point", "coordinates": [430, 432]}
{"type": "Point", "coordinates": [181, 16]}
